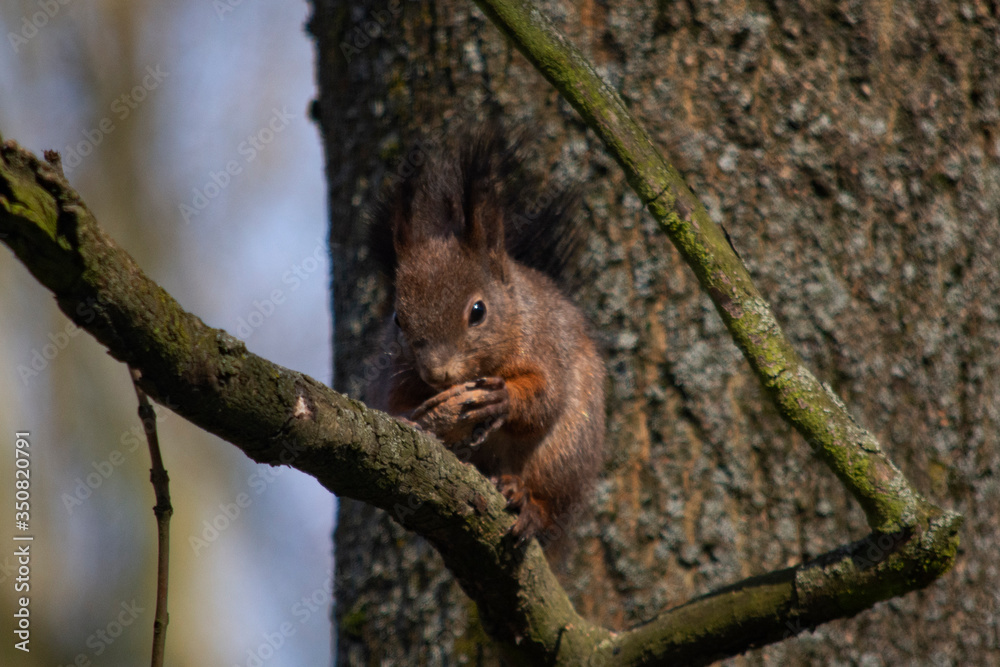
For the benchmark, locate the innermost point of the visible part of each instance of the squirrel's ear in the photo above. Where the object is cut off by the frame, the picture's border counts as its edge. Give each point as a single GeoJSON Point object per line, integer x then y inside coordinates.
{"type": "Point", "coordinates": [401, 219]}
{"type": "Point", "coordinates": [485, 234]}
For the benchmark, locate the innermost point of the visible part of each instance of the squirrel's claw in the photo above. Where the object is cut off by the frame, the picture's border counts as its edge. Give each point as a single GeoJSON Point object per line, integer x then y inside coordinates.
{"type": "Point", "coordinates": [466, 413]}
{"type": "Point", "coordinates": [437, 399]}
{"type": "Point", "coordinates": [531, 513]}
{"type": "Point", "coordinates": [484, 387]}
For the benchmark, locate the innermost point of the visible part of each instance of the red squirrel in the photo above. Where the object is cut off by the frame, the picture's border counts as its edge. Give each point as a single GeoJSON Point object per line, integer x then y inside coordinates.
{"type": "Point", "coordinates": [493, 358]}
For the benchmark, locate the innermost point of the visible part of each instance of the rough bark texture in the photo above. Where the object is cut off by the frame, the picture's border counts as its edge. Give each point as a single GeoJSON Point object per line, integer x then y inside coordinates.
{"type": "Point", "coordinates": [852, 151]}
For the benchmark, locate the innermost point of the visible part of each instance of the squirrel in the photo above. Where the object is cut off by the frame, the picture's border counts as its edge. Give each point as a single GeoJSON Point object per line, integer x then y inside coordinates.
{"type": "Point", "coordinates": [492, 357]}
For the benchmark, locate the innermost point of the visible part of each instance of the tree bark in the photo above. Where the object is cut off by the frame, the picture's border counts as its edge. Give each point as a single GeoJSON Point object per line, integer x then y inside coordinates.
{"type": "Point", "coordinates": [852, 151]}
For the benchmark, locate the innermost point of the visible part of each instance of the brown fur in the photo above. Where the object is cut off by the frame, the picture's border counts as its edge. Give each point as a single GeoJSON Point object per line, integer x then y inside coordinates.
{"type": "Point", "coordinates": [520, 391]}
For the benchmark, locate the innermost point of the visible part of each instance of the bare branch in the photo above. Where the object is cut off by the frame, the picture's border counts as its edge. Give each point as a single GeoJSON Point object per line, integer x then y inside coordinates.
{"type": "Point", "coordinates": [163, 510]}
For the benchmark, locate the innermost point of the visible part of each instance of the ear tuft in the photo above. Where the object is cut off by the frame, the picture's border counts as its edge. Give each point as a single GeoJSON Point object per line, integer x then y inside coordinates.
{"type": "Point", "coordinates": [476, 188]}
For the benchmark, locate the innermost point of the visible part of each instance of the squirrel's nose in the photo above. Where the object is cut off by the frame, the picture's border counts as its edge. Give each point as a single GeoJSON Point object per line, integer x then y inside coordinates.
{"type": "Point", "coordinates": [438, 377]}
{"type": "Point", "coordinates": [438, 370]}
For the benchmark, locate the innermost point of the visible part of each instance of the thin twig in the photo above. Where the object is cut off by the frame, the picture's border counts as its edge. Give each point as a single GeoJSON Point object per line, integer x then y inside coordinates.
{"type": "Point", "coordinates": [163, 510]}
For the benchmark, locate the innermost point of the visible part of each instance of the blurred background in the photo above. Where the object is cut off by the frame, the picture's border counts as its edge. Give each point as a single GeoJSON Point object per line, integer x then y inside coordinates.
{"type": "Point", "coordinates": [184, 127]}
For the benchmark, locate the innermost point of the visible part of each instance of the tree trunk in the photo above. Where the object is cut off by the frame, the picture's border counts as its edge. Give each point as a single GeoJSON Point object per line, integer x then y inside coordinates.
{"type": "Point", "coordinates": [852, 151]}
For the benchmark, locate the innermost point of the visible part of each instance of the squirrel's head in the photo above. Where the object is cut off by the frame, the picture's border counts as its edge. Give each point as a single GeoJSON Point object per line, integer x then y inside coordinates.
{"type": "Point", "coordinates": [454, 304]}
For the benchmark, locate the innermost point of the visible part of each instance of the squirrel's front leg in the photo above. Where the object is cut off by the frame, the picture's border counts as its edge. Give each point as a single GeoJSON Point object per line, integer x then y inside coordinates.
{"type": "Point", "coordinates": [466, 413]}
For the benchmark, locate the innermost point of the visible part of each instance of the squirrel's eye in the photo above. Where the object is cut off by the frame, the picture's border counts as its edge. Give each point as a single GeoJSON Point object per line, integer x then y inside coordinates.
{"type": "Point", "coordinates": [477, 314]}
{"type": "Point", "coordinates": [395, 319]}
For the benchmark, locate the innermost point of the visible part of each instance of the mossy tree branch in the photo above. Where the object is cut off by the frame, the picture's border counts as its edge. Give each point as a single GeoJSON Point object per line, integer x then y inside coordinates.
{"type": "Point", "coordinates": [851, 452]}
{"type": "Point", "coordinates": [278, 416]}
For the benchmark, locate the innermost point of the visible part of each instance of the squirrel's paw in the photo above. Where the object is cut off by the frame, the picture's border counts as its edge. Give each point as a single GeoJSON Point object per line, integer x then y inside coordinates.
{"type": "Point", "coordinates": [531, 513]}
{"type": "Point", "coordinates": [466, 413]}
{"type": "Point", "coordinates": [486, 399]}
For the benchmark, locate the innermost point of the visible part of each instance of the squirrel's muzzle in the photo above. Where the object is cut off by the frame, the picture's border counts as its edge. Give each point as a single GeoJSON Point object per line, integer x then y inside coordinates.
{"type": "Point", "coordinates": [440, 368]}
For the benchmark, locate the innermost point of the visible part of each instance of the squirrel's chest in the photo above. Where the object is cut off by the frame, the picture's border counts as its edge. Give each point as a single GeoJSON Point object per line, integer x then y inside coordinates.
{"type": "Point", "coordinates": [504, 453]}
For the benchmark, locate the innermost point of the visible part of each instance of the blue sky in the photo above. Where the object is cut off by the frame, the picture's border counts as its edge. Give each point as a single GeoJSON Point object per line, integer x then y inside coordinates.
{"type": "Point", "coordinates": [186, 127]}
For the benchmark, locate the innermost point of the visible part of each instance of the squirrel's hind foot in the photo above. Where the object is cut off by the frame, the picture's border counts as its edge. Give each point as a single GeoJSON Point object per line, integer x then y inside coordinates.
{"type": "Point", "coordinates": [532, 512]}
